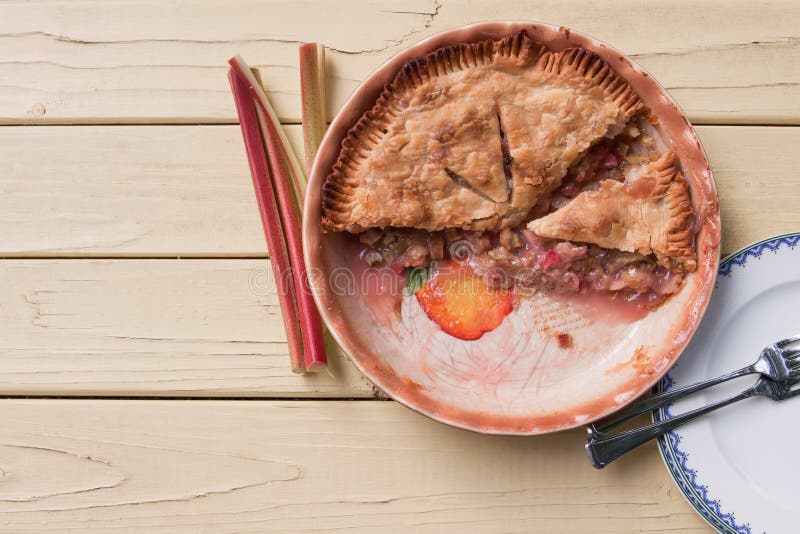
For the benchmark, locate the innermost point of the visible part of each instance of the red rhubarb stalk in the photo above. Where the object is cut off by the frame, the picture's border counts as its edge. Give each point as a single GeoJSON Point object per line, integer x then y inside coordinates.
{"type": "Point", "coordinates": [297, 175]}
{"type": "Point", "coordinates": [312, 96]}
{"type": "Point", "coordinates": [270, 219]}
{"type": "Point", "coordinates": [313, 341]}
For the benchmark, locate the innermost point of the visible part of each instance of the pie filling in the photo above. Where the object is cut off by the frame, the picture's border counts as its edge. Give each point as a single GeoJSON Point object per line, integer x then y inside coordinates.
{"type": "Point", "coordinates": [538, 170]}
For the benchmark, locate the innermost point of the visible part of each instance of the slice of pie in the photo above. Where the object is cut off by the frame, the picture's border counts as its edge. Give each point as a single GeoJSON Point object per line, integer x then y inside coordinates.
{"type": "Point", "coordinates": [472, 136]}
{"type": "Point", "coordinates": [651, 214]}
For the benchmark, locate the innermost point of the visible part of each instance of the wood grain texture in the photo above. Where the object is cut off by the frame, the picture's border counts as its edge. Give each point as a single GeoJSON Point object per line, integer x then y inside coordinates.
{"type": "Point", "coordinates": [142, 61]}
{"type": "Point", "coordinates": [128, 190]}
{"type": "Point", "coordinates": [185, 190]}
{"type": "Point", "coordinates": [757, 181]}
{"type": "Point", "coordinates": [152, 327]}
{"type": "Point", "coordinates": [211, 327]}
{"type": "Point", "coordinates": [253, 466]}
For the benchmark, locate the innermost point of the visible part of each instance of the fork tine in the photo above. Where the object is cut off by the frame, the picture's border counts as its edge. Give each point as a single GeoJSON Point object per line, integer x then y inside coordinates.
{"type": "Point", "coordinates": [788, 341]}
{"type": "Point", "coordinates": [790, 383]}
{"type": "Point", "coordinates": [790, 354]}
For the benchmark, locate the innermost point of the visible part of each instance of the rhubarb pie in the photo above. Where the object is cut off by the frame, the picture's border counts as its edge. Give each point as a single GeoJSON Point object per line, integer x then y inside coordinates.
{"type": "Point", "coordinates": [539, 170]}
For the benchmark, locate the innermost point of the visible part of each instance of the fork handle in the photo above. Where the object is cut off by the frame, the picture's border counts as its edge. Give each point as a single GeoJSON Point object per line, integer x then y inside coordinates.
{"type": "Point", "coordinates": [603, 450]}
{"type": "Point", "coordinates": [656, 401]}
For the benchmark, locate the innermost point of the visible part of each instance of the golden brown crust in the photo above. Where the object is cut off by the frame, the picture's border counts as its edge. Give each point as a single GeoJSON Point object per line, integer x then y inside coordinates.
{"type": "Point", "coordinates": [471, 135]}
{"type": "Point", "coordinates": [653, 216]}
{"type": "Point", "coordinates": [673, 190]}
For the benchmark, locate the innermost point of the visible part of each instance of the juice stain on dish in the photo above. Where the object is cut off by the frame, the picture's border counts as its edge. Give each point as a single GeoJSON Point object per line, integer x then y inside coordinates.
{"type": "Point", "coordinates": [381, 287]}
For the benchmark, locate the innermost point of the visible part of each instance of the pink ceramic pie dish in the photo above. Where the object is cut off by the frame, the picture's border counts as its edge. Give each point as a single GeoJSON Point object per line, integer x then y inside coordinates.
{"type": "Point", "coordinates": [515, 379]}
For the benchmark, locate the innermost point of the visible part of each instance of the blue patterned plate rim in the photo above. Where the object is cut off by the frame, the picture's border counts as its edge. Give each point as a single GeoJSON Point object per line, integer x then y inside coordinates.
{"type": "Point", "coordinates": [669, 445]}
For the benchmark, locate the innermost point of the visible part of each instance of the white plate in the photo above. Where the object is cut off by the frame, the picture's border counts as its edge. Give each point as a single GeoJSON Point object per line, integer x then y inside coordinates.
{"type": "Point", "coordinates": [737, 467]}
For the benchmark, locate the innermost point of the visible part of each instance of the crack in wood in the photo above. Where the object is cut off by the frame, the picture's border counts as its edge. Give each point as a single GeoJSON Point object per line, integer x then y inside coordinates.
{"type": "Point", "coordinates": [782, 41]}
{"type": "Point", "coordinates": [194, 340]}
{"type": "Point", "coordinates": [389, 42]}
{"type": "Point", "coordinates": [121, 478]}
{"type": "Point", "coordinates": [723, 87]}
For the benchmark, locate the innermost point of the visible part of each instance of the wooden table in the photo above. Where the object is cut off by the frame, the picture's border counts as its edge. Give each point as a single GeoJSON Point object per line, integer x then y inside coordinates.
{"type": "Point", "coordinates": [144, 363]}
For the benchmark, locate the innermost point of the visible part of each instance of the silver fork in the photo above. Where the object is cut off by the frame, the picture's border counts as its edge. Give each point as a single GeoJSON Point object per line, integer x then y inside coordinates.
{"type": "Point", "coordinates": [776, 361]}
{"type": "Point", "coordinates": [778, 365]}
{"type": "Point", "coordinates": [603, 450]}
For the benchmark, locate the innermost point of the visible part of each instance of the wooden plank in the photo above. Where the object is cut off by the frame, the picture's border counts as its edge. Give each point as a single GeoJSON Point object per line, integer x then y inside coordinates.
{"type": "Point", "coordinates": [236, 467]}
{"type": "Point", "coordinates": [139, 61]}
{"type": "Point", "coordinates": [185, 190]}
{"type": "Point", "coordinates": [128, 190]}
{"type": "Point", "coordinates": [152, 327]}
